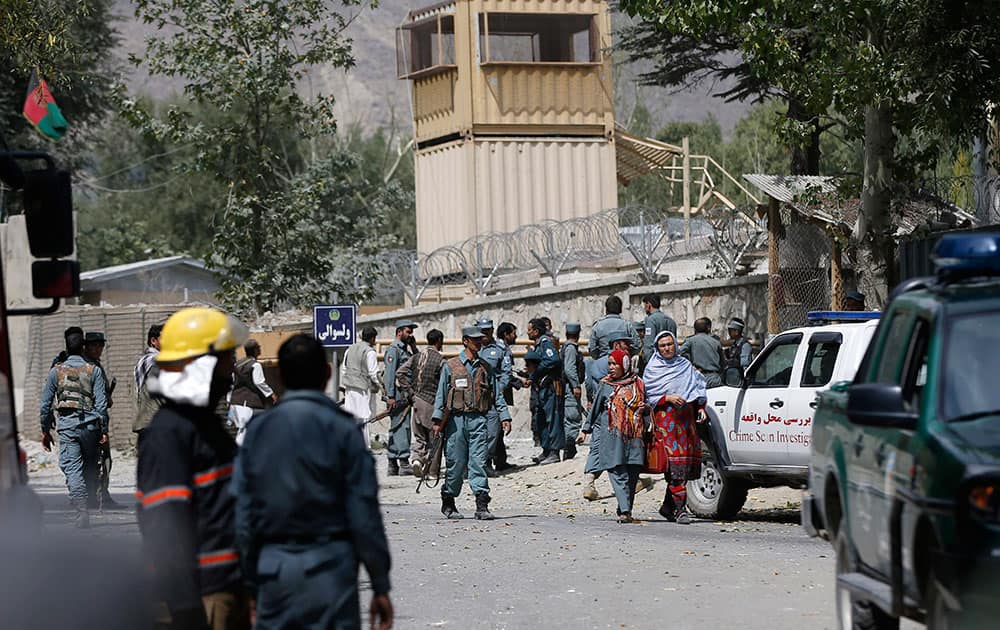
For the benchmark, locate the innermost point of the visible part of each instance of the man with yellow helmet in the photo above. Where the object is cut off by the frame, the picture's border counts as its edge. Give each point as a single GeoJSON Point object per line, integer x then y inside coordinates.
{"type": "Point", "coordinates": [185, 464]}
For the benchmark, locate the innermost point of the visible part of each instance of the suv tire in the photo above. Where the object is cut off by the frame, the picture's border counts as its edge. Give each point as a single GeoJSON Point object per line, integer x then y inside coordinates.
{"type": "Point", "coordinates": [713, 495]}
{"type": "Point", "coordinates": [854, 613]}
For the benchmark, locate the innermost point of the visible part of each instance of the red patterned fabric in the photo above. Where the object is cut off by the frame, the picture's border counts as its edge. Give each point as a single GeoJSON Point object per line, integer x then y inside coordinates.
{"type": "Point", "coordinates": [675, 448]}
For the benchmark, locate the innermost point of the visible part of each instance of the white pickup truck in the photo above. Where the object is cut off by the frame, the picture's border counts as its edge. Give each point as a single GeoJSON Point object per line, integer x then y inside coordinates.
{"type": "Point", "coordinates": [760, 425]}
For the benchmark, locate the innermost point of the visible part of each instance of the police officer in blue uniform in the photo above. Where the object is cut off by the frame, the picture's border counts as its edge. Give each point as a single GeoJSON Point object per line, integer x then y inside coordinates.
{"type": "Point", "coordinates": [495, 356]}
{"type": "Point", "coordinates": [467, 391]}
{"type": "Point", "coordinates": [573, 377]}
{"type": "Point", "coordinates": [611, 324]}
{"type": "Point", "coordinates": [547, 379]}
{"type": "Point", "coordinates": [307, 509]}
{"type": "Point", "coordinates": [400, 433]}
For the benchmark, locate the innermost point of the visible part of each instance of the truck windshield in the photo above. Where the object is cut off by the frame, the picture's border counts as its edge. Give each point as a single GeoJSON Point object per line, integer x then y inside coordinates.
{"type": "Point", "coordinates": [971, 363]}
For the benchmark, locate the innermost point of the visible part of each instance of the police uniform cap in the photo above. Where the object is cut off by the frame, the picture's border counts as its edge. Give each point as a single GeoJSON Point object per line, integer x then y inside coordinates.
{"type": "Point", "coordinates": [94, 337]}
{"type": "Point", "coordinates": [572, 329]}
{"type": "Point", "coordinates": [472, 331]}
{"type": "Point", "coordinates": [484, 323]}
{"type": "Point", "coordinates": [736, 324]}
{"type": "Point", "coordinates": [640, 324]}
{"type": "Point", "coordinates": [532, 355]}
{"type": "Point", "coordinates": [405, 323]}
{"type": "Point", "coordinates": [622, 335]}
{"type": "Point", "coordinates": [855, 295]}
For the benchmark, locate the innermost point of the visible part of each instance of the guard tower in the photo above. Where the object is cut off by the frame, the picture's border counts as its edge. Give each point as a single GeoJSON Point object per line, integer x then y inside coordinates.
{"type": "Point", "coordinates": [513, 114]}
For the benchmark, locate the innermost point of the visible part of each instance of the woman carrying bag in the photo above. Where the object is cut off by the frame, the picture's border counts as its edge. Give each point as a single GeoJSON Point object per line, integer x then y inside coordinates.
{"type": "Point", "coordinates": [675, 391]}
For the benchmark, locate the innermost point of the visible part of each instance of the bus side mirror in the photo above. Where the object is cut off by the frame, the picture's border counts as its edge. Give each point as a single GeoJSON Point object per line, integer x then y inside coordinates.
{"type": "Point", "coordinates": [48, 213]}
{"type": "Point", "coordinates": [55, 278]}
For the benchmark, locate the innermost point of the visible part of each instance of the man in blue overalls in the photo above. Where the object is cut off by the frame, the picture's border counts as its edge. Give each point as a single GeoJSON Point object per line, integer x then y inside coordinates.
{"type": "Point", "coordinates": [468, 390]}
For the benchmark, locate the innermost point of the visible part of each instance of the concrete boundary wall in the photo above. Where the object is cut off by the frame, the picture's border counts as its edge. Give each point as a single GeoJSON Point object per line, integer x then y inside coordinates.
{"type": "Point", "coordinates": [583, 302]}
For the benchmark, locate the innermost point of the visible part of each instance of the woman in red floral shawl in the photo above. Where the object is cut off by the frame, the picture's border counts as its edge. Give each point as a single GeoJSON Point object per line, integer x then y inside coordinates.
{"type": "Point", "coordinates": [618, 412]}
{"type": "Point", "coordinates": [676, 393]}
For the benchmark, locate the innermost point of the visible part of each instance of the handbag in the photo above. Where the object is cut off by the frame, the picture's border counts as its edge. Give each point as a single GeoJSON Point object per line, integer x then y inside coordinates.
{"type": "Point", "coordinates": [656, 451]}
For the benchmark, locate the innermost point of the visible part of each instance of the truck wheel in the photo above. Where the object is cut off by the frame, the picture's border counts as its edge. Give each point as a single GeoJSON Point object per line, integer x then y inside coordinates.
{"type": "Point", "coordinates": [854, 613]}
{"type": "Point", "coordinates": [713, 495]}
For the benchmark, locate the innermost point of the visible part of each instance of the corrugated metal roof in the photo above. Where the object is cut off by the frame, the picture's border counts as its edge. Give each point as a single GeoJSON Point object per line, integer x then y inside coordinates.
{"type": "Point", "coordinates": [637, 156]}
{"type": "Point", "coordinates": [788, 188]}
{"type": "Point", "coordinates": [118, 271]}
{"type": "Point", "coordinates": [812, 196]}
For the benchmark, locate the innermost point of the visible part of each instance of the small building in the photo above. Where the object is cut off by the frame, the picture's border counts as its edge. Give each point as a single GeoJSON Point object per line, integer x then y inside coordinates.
{"type": "Point", "coordinates": [170, 280]}
{"type": "Point", "coordinates": [513, 114]}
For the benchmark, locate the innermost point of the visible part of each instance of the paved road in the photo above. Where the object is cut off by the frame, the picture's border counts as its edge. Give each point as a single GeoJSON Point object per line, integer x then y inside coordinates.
{"type": "Point", "coordinates": [549, 565]}
{"type": "Point", "coordinates": [527, 571]}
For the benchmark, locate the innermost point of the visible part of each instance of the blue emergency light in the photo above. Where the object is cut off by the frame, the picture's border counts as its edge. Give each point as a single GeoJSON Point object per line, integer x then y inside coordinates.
{"type": "Point", "coordinates": [818, 317]}
{"type": "Point", "coordinates": [968, 254]}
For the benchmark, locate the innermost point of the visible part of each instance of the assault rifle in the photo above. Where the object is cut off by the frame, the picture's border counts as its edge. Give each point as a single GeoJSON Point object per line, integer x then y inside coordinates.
{"type": "Point", "coordinates": [437, 451]}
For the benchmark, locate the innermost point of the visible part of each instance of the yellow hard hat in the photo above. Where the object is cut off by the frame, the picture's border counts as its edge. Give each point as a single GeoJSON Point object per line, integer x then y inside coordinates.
{"type": "Point", "coordinates": [193, 332]}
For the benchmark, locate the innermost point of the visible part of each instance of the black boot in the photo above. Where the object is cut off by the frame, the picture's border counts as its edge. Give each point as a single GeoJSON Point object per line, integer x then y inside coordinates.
{"type": "Point", "coordinates": [393, 470]}
{"type": "Point", "coordinates": [448, 508]}
{"type": "Point", "coordinates": [490, 471]}
{"type": "Point", "coordinates": [483, 507]}
{"type": "Point", "coordinates": [537, 458]}
{"type": "Point", "coordinates": [569, 452]}
{"type": "Point", "coordinates": [668, 510]}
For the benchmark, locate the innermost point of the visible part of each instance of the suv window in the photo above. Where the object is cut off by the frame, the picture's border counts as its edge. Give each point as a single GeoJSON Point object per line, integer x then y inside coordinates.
{"type": "Point", "coordinates": [915, 377]}
{"type": "Point", "coordinates": [821, 358]}
{"type": "Point", "coordinates": [970, 368]}
{"type": "Point", "coordinates": [893, 350]}
{"type": "Point", "coordinates": [774, 368]}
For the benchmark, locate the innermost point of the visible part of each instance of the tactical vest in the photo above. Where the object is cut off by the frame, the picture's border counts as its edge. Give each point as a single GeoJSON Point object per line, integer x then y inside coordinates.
{"type": "Point", "coordinates": [732, 354]}
{"type": "Point", "coordinates": [244, 390]}
{"type": "Point", "coordinates": [356, 368]}
{"type": "Point", "coordinates": [75, 386]}
{"type": "Point", "coordinates": [477, 394]}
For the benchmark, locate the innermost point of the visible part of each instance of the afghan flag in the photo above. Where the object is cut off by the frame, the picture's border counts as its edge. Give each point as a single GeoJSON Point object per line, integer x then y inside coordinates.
{"type": "Point", "coordinates": [41, 110]}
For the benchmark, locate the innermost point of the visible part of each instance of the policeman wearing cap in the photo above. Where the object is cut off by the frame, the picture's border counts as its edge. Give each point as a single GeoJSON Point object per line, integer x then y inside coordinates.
{"type": "Point", "coordinates": [93, 349]}
{"type": "Point", "coordinates": [468, 390]}
{"type": "Point", "coordinates": [494, 355]}
{"type": "Point", "coordinates": [573, 377]}
{"type": "Point", "coordinates": [611, 324]}
{"type": "Point", "coordinates": [854, 301]}
{"type": "Point", "coordinates": [547, 381]}
{"type": "Point", "coordinates": [738, 352]}
{"type": "Point", "coordinates": [398, 352]}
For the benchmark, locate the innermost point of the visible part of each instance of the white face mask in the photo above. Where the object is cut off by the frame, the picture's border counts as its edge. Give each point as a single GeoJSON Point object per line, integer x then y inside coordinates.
{"type": "Point", "coordinates": [190, 386]}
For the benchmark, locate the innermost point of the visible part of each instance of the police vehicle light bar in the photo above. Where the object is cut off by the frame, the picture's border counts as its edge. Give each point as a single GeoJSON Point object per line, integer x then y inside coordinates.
{"type": "Point", "coordinates": [968, 254]}
{"type": "Point", "coordinates": [842, 316]}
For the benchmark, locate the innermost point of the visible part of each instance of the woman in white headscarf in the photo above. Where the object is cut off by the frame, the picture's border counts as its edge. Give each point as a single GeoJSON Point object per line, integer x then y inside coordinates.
{"type": "Point", "coordinates": [675, 391]}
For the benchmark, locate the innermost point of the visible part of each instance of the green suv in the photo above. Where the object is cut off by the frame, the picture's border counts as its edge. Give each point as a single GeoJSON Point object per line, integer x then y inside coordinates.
{"type": "Point", "coordinates": [904, 474]}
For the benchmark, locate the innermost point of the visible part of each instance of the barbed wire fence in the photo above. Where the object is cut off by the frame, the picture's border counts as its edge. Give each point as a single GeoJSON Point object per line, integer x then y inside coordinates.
{"type": "Point", "coordinates": [644, 236]}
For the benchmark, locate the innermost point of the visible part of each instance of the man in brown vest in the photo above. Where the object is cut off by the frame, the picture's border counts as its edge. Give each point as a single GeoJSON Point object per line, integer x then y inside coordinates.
{"type": "Point", "coordinates": [249, 387]}
{"type": "Point", "coordinates": [468, 389]}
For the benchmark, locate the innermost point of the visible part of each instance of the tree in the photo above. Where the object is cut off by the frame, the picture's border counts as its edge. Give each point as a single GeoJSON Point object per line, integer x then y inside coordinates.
{"type": "Point", "coordinates": [70, 43]}
{"type": "Point", "coordinates": [245, 61]}
{"type": "Point", "coordinates": [921, 71]}
{"type": "Point", "coordinates": [682, 60]}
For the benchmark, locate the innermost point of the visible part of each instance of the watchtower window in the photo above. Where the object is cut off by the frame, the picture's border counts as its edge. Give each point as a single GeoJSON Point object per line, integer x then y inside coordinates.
{"type": "Point", "coordinates": [425, 47]}
{"type": "Point", "coordinates": [538, 38]}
